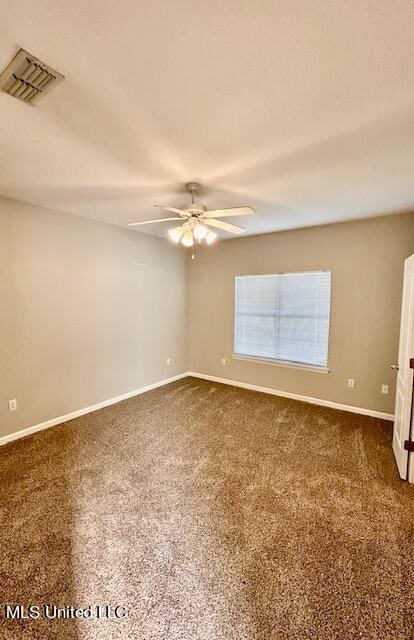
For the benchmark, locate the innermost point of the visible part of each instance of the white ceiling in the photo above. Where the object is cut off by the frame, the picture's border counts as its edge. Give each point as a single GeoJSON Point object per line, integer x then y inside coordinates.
{"type": "Point", "coordinates": [303, 109]}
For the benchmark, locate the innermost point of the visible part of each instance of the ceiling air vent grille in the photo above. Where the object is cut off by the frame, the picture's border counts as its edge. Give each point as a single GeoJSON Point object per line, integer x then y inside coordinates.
{"type": "Point", "coordinates": [28, 79]}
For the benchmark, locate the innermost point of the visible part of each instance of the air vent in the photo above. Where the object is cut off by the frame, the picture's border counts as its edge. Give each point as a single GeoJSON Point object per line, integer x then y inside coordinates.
{"type": "Point", "coordinates": [28, 79]}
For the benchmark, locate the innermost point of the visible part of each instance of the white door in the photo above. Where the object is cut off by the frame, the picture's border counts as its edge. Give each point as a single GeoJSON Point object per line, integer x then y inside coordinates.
{"type": "Point", "coordinates": [403, 430]}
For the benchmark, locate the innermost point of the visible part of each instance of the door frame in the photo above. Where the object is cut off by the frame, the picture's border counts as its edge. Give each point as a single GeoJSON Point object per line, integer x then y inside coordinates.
{"type": "Point", "coordinates": [403, 420]}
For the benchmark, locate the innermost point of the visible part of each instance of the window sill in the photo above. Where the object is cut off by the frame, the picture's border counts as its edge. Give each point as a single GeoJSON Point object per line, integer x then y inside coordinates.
{"type": "Point", "coordinates": [282, 363]}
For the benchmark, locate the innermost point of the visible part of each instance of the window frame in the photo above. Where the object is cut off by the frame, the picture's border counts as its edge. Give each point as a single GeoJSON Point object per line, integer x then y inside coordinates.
{"type": "Point", "coordinates": [275, 361]}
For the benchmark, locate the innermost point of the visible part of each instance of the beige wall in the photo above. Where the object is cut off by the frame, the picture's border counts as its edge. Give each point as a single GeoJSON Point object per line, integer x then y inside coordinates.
{"type": "Point", "coordinates": [88, 311]}
{"type": "Point", "coordinates": [366, 258]}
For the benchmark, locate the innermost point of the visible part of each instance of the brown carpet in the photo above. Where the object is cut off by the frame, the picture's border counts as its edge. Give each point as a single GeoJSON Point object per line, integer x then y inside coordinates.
{"type": "Point", "coordinates": [211, 513]}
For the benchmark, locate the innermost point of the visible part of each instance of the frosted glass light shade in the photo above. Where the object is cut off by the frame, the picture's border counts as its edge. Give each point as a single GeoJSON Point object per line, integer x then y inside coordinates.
{"type": "Point", "coordinates": [175, 234]}
{"type": "Point", "coordinates": [200, 232]}
{"type": "Point", "coordinates": [210, 237]}
{"type": "Point", "coordinates": [187, 239]}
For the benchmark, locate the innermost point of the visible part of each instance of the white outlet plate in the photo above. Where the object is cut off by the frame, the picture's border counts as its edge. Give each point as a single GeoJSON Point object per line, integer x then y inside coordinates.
{"type": "Point", "coordinates": [385, 388]}
{"type": "Point", "coordinates": [168, 362]}
{"type": "Point", "coordinates": [12, 405]}
{"type": "Point", "coordinates": [351, 383]}
{"type": "Point", "coordinates": [223, 362]}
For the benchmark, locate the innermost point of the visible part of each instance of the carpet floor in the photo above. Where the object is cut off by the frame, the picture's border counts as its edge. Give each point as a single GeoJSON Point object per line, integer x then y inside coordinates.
{"type": "Point", "coordinates": [210, 513]}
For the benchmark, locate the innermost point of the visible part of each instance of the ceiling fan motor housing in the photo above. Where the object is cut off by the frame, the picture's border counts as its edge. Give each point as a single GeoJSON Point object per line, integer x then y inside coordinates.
{"type": "Point", "coordinates": [196, 209]}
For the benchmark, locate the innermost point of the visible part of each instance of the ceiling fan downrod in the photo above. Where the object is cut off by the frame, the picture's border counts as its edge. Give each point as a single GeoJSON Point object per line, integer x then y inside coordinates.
{"type": "Point", "coordinates": [192, 187]}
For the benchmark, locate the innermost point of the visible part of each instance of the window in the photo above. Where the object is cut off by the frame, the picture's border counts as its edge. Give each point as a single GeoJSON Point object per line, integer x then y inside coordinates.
{"type": "Point", "coordinates": [284, 317]}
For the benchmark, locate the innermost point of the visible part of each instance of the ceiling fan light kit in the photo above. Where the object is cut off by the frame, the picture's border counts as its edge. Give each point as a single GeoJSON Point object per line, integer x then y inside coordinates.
{"type": "Point", "coordinates": [192, 232]}
{"type": "Point", "coordinates": [196, 219]}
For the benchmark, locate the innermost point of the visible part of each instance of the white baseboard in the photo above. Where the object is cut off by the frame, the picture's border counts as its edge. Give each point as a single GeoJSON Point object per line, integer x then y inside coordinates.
{"type": "Point", "coordinates": [81, 412]}
{"type": "Point", "coordinates": [295, 396]}
{"type": "Point", "coordinates": [244, 385]}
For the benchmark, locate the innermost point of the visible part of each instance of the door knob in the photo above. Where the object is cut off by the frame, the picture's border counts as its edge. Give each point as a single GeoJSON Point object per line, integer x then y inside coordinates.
{"type": "Point", "coordinates": [395, 367]}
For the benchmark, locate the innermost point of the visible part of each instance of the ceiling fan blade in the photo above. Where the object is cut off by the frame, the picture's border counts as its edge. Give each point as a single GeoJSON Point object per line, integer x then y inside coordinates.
{"type": "Point", "coordinates": [225, 226]}
{"type": "Point", "coordinates": [233, 211]}
{"type": "Point", "coordinates": [182, 212]}
{"type": "Point", "coordinates": [136, 224]}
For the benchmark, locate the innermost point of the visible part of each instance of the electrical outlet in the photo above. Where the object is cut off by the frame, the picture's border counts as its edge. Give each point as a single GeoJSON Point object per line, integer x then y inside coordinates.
{"type": "Point", "coordinates": [351, 383]}
{"type": "Point", "coordinates": [385, 388]}
{"type": "Point", "coordinates": [223, 362]}
{"type": "Point", "coordinates": [12, 405]}
{"type": "Point", "coordinates": [168, 362]}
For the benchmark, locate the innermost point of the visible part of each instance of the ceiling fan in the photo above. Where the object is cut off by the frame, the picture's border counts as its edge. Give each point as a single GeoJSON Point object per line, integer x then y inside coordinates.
{"type": "Point", "coordinates": [196, 219]}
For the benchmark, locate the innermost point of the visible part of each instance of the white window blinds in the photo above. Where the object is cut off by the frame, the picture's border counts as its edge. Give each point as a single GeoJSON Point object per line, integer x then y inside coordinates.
{"type": "Point", "coordinates": [284, 317]}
